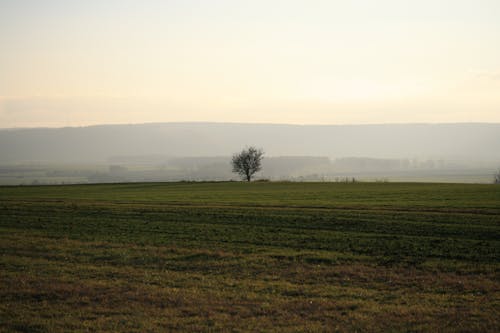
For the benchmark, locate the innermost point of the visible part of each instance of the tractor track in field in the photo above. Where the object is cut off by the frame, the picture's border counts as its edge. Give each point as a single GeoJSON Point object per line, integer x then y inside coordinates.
{"type": "Point", "coordinates": [173, 204]}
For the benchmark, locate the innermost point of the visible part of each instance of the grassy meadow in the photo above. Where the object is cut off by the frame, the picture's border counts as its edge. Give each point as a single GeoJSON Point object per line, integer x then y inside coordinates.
{"type": "Point", "coordinates": [264, 256]}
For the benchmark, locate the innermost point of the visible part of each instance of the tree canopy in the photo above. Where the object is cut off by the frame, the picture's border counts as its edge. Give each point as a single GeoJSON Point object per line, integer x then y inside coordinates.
{"type": "Point", "coordinates": [247, 162]}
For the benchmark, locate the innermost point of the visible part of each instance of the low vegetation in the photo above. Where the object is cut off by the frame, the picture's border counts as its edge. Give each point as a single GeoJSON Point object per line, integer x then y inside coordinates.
{"type": "Point", "coordinates": [257, 256]}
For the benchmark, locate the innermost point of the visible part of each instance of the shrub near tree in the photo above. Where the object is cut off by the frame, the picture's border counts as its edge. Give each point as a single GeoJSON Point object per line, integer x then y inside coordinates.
{"type": "Point", "coordinates": [247, 162]}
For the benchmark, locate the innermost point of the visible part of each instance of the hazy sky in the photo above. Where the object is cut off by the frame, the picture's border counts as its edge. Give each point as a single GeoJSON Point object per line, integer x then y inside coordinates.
{"type": "Point", "coordinates": [312, 62]}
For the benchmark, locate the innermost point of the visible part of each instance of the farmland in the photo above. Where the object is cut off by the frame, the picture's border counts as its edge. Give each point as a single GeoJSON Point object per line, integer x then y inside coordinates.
{"type": "Point", "coordinates": [262, 256]}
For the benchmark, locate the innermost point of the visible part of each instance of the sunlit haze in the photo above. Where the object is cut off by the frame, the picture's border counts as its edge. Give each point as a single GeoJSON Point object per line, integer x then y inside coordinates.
{"type": "Point", "coordinates": [74, 63]}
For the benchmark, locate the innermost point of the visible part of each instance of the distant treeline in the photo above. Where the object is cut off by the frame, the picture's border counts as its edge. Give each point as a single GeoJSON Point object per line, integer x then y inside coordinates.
{"type": "Point", "coordinates": [295, 168]}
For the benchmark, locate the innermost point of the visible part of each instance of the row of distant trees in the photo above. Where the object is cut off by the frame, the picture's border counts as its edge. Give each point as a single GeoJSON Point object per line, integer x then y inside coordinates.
{"type": "Point", "coordinates": [249, 161]}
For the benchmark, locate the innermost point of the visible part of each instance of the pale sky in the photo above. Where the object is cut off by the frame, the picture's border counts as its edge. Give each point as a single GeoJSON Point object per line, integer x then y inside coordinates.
{"type": "Point", "coordinates": [74, 63]}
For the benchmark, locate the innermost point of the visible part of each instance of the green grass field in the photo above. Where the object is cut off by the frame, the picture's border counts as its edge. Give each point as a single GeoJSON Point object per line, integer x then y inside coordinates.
{"type": "Point", "coordinates": [250, 257]}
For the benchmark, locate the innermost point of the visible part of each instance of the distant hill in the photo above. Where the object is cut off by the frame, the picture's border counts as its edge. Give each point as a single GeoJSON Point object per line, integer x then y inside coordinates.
{"type": "Point", "coordinates": [95, 144]}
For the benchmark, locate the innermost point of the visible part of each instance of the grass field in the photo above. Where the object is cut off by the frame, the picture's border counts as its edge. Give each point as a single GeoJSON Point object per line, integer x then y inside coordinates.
{"type": "Point", "coordinates": [250, 257]}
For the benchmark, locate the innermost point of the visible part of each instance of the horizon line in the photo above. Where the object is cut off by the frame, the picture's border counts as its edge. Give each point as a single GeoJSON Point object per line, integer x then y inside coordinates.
{"type": "Point", "coordinates": [251, 123]}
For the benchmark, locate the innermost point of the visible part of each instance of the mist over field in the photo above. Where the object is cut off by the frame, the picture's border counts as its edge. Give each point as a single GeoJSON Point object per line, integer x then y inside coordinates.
{"type": "Point", "coordinates": [201, 151]}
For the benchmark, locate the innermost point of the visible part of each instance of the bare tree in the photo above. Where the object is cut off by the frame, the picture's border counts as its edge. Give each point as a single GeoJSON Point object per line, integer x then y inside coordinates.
{"type": "Point", "coordinates": [247, 162]}
{"type": "Point", "coordinates": [496, 178]}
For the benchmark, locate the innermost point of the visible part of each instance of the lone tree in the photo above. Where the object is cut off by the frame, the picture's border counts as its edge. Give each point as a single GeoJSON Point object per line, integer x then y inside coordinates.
{"type": "Point", "coordinates": [247, 162]}
{"type": "Point", "coordinates": [496, 179]}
